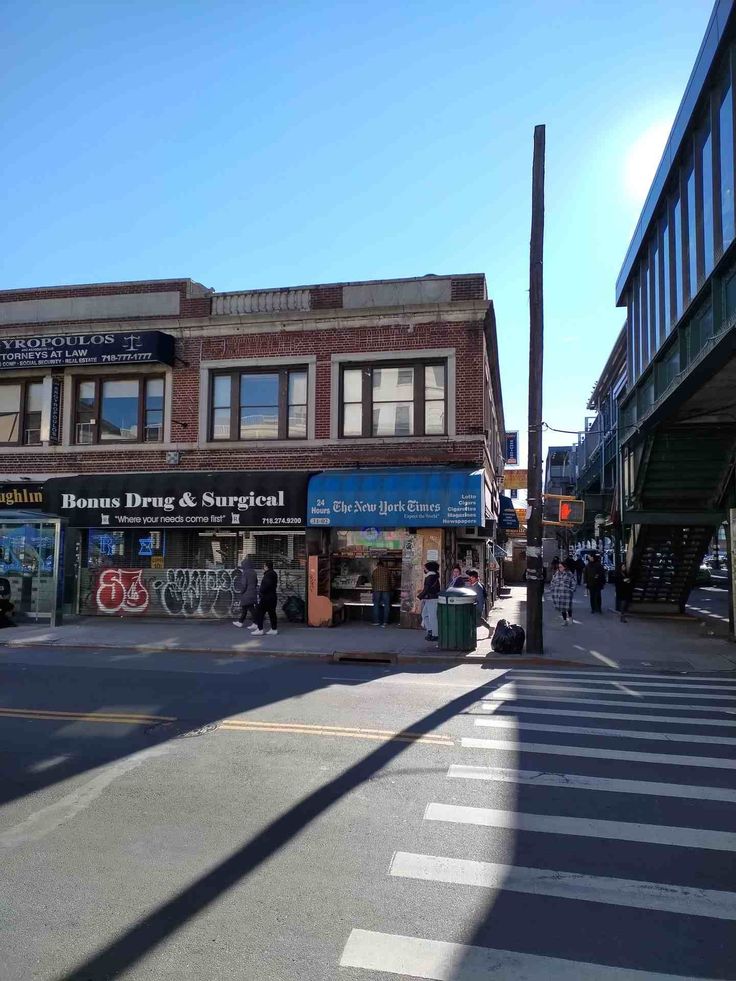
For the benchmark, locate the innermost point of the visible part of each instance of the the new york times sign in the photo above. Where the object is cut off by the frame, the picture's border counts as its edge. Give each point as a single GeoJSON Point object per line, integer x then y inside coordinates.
{"type": "Point", "coordinates": [58, 350]}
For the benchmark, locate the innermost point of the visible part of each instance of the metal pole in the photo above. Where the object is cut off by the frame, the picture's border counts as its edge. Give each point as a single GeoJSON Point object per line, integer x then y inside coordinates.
{"type": "Point", "coordinates": [534, 560]}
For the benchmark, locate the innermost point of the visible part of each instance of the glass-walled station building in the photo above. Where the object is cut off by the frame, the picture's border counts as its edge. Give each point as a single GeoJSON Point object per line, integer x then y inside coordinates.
{"type": "Point", "coordinates": [678, 285]}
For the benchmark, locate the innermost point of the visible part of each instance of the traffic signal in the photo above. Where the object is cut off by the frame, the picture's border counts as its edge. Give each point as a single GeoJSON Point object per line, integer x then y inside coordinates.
{"type": "Point", "coordinates": [572, 512]}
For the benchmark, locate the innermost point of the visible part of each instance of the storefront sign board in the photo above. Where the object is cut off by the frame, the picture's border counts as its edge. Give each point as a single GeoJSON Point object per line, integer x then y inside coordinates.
{"type": "Point", "coordinates": [20, 496]}
{"type": "Point", "coordinates": [396, 498]}
{"type": "Point", "coordinates": [79, 347]}
{"type": "Point", "coordinates": [515, 479]}
{"type": "Point", "coordinates": [269, 499]}
{"type": "Point", "coordinates": [508, 518]}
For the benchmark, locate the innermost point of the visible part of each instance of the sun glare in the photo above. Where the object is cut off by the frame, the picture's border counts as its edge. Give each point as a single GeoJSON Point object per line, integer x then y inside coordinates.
{"type": "Point", "coordinates": [642, 159]}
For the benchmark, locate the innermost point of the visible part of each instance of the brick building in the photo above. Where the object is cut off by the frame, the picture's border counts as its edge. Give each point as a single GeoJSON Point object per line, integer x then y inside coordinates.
{"type": "Point", "coordinates": [175, 430]}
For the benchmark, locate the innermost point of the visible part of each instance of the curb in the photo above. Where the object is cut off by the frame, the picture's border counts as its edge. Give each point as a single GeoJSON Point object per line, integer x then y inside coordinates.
{"type": "Point", "coordinates": [331, 657]}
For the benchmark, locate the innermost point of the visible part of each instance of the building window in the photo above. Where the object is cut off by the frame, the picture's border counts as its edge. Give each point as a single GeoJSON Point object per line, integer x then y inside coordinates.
{"type": "Point", "coordinates": [692, 238]}
{"type": "Point", "coordinates": [677, 271]}
{"type": "Point", "coordinates": [665, 246]}
{"type": "Point", "coordinates": [119, 410]}
{"type": "Point", "coordinates": [408, 399]}
{"type": "Point", "coordinates": [255, 405]}
{"type": "Point", "coordinates": [727, 172]}
{"type": "Point", "coordinates": [20, 412]}
{"type": "Point", "coordinates": [643, 313]}
{"type": "Point", "coordinates": [708, 250]}
{"type": "Point", "coordinates": [656, 333]}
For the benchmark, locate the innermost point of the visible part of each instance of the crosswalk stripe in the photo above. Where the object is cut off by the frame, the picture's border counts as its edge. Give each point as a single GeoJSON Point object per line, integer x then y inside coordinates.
{"type": "Point", "coordinates": [513, 686]}
{"type": "Point", "coordinates": [603, 675]}
{"type": "Point", "coordinates": [675, 737]}
{"type": "Point", "coordinates": [654, 834]}
{"type": "Point", "coordinates": [600, 754]}
{"type": "Point", "coordinates": [539, 681]}
{"type": "Point", "coordinates": [575, 781]}
{"type": "Point", "coordinates": [671, 719]}
{"type": "Point", "coordinates": [522, 696]}
{"type": "Point", "coordinates": [440, 960]}
{"type": "Point", "coordinates": [686, 900]}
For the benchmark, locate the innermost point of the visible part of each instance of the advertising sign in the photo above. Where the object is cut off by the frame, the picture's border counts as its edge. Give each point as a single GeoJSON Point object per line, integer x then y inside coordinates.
{"type": "Point", "coordinates": [58, 350]}
{"type": "Point", "coordinates": [55, 411]}
{"type": "Point", "coordinates": [184, 500]}
{"type": "Point", "coordinates": [508, 518]}
{"type": "Point", "coordinates": [396, 497]}
{"type": "Point", "coordinates": [21, 496]}
{"type": "Point", "coordinates": [515, 479]}
{"type": "Point", "coordinates": [512, 448]}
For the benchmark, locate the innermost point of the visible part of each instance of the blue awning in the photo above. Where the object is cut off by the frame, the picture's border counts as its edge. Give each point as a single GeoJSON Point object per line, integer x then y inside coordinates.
{"type": "Point", "coordinates": [396, 497]}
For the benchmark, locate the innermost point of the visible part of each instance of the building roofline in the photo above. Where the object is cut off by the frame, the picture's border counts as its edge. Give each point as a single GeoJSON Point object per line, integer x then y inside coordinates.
{"type": "Point", "coordinates": [353, 282]}
{"type": "Point", "coordinates": [710, 50]}
{"type": "Point", "coordinates": [611, 369]}
{"type": "Point", "coordinates": [180, 281]}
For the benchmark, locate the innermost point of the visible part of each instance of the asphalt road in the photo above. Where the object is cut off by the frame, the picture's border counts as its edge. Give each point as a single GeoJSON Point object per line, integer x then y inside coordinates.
{"type": "Point", "coordinates": [192, 817]}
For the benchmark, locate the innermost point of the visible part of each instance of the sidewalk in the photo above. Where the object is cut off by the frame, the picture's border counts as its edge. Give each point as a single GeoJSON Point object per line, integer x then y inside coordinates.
{"type": "Point", "coordinates": [595, 641]}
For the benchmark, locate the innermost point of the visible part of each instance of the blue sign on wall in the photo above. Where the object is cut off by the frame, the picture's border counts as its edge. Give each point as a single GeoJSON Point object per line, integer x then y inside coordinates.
{"type": "Point", "coordinates": [512, 449]}
{"type": "Point", "coordinates": [507, 517]}
{"type": "Point", "coordinates": [396, 498]}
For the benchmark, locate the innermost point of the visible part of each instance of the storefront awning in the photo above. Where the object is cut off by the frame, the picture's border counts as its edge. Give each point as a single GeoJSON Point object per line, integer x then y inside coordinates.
{"type": "Point", "coordinates": [396, 497]}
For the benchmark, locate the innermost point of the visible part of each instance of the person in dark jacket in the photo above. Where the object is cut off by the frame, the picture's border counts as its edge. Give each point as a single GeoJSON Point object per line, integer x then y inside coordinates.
{"type": "Point", "coordinates": [266, 600]}
{"type": "Point", "coordinates": [428, 595]}
{"type": "Point", "coordinates": [579, 568]}
{"type": "Point", "coordinates": [624, 590]}
{"type": "Point", "coordinates": [595, 580]}
{"type": "Point", "coordinates": [248, 592]}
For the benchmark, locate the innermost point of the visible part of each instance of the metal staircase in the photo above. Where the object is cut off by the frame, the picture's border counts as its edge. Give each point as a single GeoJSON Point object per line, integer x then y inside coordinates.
{"type": "Point", "coordinates": [666, 561]}
{"type": "Point", "coordinates": [680, 485]}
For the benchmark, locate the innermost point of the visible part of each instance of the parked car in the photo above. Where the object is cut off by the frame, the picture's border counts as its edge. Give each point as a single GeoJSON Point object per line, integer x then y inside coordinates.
{"type": "Point", "coordinates": [703, 576]}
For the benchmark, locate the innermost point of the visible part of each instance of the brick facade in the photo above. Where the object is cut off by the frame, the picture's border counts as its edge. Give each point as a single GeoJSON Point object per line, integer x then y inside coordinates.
{"type": "Point", "coordinates": [459, 325]}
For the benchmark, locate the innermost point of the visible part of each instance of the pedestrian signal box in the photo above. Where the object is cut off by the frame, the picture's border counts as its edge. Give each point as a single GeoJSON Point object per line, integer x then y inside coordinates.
{"type": "Point", "coordinates": [572, 512]}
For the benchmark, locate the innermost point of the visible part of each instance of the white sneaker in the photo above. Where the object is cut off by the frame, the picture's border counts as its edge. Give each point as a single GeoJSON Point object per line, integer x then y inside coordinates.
{"type": "Point", "coordinates": [272, 632]}
{"type": "Point", "coordinates": [253, 626]}
{"type": "Point", "coordinates": [237, 623]}
{"type": "Point", "coordinates": [256, 633]}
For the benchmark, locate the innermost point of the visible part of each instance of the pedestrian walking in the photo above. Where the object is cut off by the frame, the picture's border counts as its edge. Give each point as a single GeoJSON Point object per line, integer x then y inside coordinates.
{"type": "Point", "coordinates": [561, 590]}
{"type": "Point", "coordinates": [266, 601]}
{"type": "Point", "coordinates": [579, 568]}
{"type": "Point", "coordinates": [624, 590]}
{"type": "Point", "coordinates": [481, 599]}
{"type": "Point", "coordinates": [248, 592]}
{"type": "Point", "coordinates": [595, 580]}
{"type": "Point", "coordinates": [428, 595]}
{"type": "Point", "coordinates": [457, 578]}
{"type": "Point", "coordinates": [381, 586]}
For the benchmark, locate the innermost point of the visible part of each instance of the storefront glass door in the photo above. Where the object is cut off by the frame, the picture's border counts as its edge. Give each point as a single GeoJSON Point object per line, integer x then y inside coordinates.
{"type": "Point", "coordinates": [29, 553]}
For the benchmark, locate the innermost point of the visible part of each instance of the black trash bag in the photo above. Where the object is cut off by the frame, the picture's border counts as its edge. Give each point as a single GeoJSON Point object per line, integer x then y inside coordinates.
{"type": "Point", "coordinates": [293, 607]}
{"type": "Point", "coordinates": [501, 637]}
{"type": "Point", "coordinates": [517, 638]}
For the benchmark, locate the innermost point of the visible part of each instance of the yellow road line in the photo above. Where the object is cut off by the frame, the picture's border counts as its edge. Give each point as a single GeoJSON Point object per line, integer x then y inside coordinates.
{"type": "Point", "coordinates": [85, 716]}
{"type": "Point", "coordinates": [235, 725]}
{"type": "Point", "coordinates": [231, 725]}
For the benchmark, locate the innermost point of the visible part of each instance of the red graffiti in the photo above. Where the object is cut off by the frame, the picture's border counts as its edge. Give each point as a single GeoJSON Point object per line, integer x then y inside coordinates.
{"type": "Point", "coordinates": [121, 591]}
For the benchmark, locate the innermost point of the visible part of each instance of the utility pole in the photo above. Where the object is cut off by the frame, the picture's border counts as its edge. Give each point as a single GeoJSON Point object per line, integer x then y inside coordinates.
{"type": "Point", "coordinates": [534, 559]}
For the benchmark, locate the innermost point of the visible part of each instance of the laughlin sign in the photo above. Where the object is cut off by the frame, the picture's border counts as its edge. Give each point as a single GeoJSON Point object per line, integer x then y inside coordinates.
{"type": "Point", "coordinates": [262, 498]}
{"type": "Point", "coordinates": [71, 349]}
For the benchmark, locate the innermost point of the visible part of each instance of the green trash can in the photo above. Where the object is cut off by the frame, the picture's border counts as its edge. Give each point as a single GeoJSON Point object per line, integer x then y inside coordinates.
{"type": "Point", "coordinates": [456, 619]}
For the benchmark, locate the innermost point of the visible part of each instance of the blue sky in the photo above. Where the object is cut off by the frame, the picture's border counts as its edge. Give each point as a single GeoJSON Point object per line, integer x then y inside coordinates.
{"type": "Point", "coordinates": [268, 144]}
